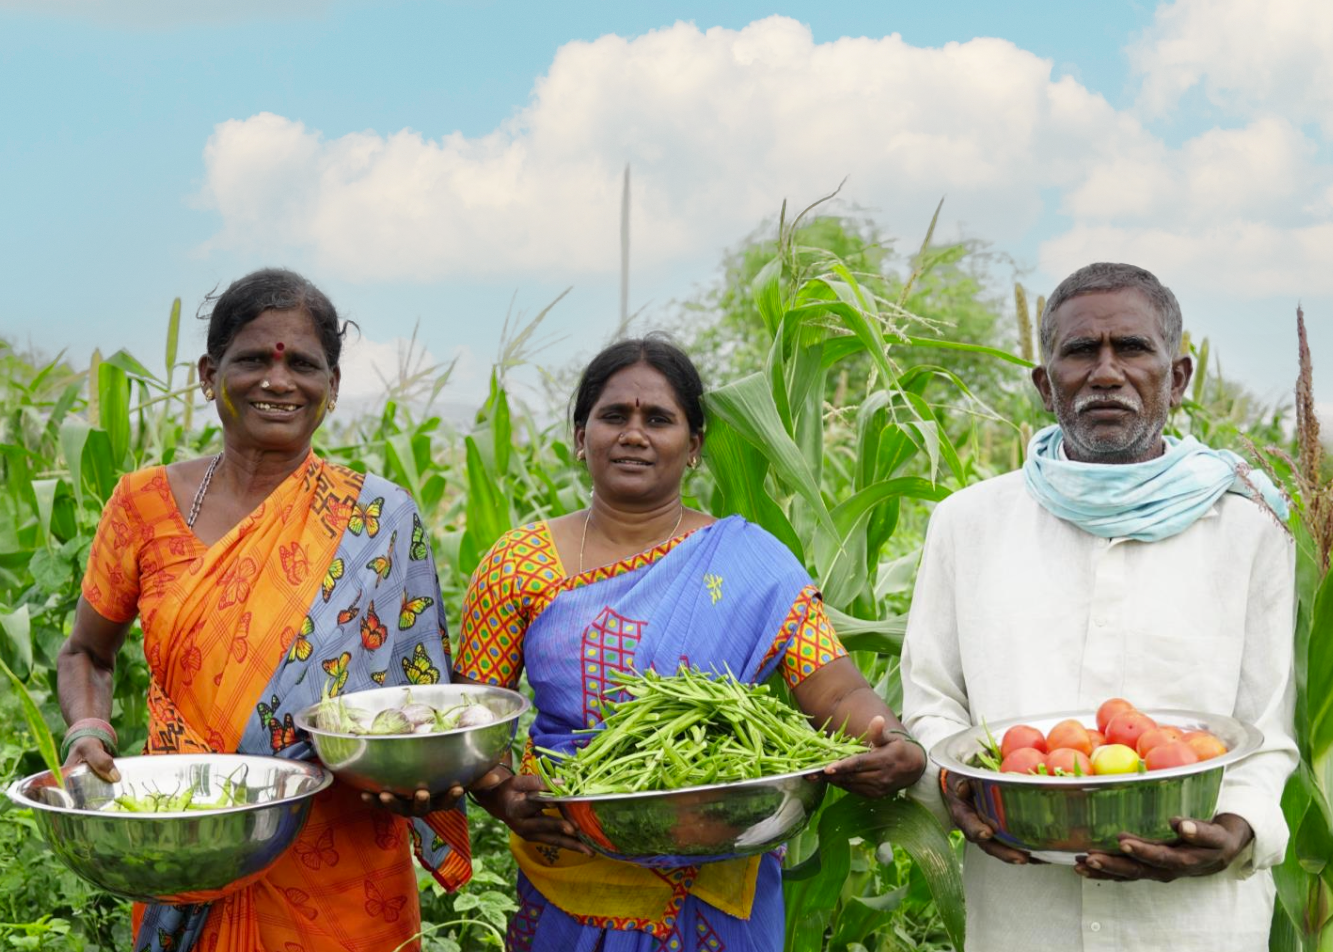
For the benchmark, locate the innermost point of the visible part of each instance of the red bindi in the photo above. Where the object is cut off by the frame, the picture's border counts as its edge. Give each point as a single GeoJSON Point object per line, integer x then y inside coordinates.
{"type": "Point", "coordinates": [278, 348]}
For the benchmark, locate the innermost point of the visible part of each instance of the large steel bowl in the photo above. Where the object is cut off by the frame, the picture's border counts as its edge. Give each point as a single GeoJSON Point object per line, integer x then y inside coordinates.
{"type": "Point", "coordinates": [406, 763]}
{"type": "Point", "coordinates": [696, 824]}
{"type": "Point", "coordinates": [192, 856]}
{"type": "Point", "coordinates": [1058, 818]}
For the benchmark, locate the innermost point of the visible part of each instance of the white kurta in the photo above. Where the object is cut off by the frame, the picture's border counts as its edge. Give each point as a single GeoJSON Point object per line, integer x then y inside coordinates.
{"type": "Point", "coordinates": [1018, 613]}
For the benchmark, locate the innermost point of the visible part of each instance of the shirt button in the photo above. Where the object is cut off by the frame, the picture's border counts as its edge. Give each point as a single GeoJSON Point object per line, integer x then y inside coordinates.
{"type": "Point", "coordinates": [1096, 927]}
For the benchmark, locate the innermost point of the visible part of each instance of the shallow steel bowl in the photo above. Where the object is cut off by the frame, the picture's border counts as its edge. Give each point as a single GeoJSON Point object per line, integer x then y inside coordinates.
{"type": "Point", "coordinates": [191, 856]}
{"type": "Point", "coordinates": [697, 824]}
{"type": "Point", "coordinates": [1057, 818]}
{"type": "Point", "coordinates": [406, 763]}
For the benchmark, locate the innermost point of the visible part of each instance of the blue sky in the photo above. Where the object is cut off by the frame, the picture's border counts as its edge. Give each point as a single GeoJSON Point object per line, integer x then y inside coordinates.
{"type": "Point", "coordinates": [433, 160]}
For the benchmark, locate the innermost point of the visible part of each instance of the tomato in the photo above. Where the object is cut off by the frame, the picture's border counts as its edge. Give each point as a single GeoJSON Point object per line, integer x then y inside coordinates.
{"type": "Point", "coordinates": [1175, 754]}
{"type": "Point", "coordinates": [1070, 734]}
{"type": "Point", "coordinates": [1021, 736]}
{"type": "Point", "coordinates": [1206, 745]}
{"type": "Point", "coordinates": [1109, 709]}
{"type": "Point", "coordinates": [1063, 759]}
{"type": "Point", "coordinates": [1024, 760]}
{"type": "Point", "coordinates": [1125, 728]}
{"type": "Point", "coordinates": [1156, 737]}
{"type": "Point", "coordinates": [1097, 738]}
{"type": "Point", "coordinates": [1115, 759]}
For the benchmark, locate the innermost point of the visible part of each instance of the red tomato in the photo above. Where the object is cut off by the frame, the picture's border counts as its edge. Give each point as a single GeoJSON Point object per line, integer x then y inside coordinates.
{"type": "Point", "coordinates": [1206, 745]}
{"type": "Point", "coordinates": [1156, 737]}
{"type": "Point", "coordinates": [1175, 754]}
{"type": "Point", "coordinates": [1109, 709]}
{"type": "Point", "coordinates": [1063, 759]}
{"type": "Point", "coordinates": [1070, 734]}
{"type": "Point", "coordinates": [1020, 736]}
{"type": "Point", "coordinates": [1025, 760]}
{"type": "Point", "coordinates": [1125, 728]}
{"type": "Point", "coordinates": [1097, 738]}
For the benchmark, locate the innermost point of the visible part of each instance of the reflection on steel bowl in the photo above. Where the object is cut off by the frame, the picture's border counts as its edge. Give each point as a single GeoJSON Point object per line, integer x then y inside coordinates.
{"type": "Point", "coordinates": [1057, 818]}
{"type": "Point", "coordinates": [696, 824]}
{"type": "Point", "coordinates": [406, 763]}
{"type": "Point", "coordinates": [191, 856]}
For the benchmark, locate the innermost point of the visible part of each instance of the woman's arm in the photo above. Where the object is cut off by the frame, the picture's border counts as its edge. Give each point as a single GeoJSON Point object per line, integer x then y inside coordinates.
{"type": "Point", "coordinates": [84, 668]}
{"type": "Point", "coordinates": [837, 695]}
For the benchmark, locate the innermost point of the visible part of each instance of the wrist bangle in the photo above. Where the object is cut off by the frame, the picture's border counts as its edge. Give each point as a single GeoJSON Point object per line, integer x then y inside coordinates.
{"type": "Point", "coordinates": [75, 734]}
{"type": "Point", "coordinates": [911, 740]}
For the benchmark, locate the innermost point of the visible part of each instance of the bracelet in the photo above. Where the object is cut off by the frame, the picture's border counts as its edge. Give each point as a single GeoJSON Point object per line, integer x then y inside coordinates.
{"type": "Point", "coordinates": [911, 740]}
{"type": "Point", "coordinates": [75, 734]}
{"type": "Point", "coordinates": [92, 722]}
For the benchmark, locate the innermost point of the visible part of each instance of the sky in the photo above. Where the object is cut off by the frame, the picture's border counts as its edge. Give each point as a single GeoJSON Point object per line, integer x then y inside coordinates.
{"type": "Point", "coordinates": [437, 164]}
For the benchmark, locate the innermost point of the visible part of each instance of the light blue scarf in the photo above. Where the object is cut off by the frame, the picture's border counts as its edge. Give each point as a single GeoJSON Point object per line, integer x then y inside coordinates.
{"type": "Point", "coordinates": [1145, 501]}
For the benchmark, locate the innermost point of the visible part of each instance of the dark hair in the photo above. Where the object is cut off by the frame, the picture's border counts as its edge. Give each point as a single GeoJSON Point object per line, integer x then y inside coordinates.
{"type": "Point", "coordinates": [657, 351]}
{"type": "Point", "coordinates": [1107, 276]}
{"type": "Point", "coordinates": [273, 289]}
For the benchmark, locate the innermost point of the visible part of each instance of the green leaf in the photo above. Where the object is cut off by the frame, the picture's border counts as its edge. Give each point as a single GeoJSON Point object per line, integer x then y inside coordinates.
{"type": "Point", "coordinates": [41, 734]}
{"type": "Point", "coordinates": [173, 336]}
{"type": "Point", "coordinates": [50, 573]}
{"type": "Point", "coordinates": [747, 407]}
{"type": "Point", "coordinates": [911, 826]}
{"type": "Point", "coordinates": [17, 626]}
{"type": "Point", "coordinates": [969, 348]}
{"type": "Point", "coordinates": [740, 472]}
{"type": "Point", "coordinates": [1319, 672]}
{"type": "Point", "coordinates": [73, 437]}
{"type": "Point", "coordinates": [766, 288]}
{"type": "Point", "coordinates": [113, 396]}
{"type": "Point", "coordinates": [124, 360]}
{"type": "Point", "coordinates": [45, 491]}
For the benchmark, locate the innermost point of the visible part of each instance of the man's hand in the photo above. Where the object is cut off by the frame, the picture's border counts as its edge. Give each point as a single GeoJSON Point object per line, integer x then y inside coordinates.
{"type": "Point", "coordinates": [1204, 849]}
{"type": "Point", "coordinates": [892, 763]}
{"type": "Point", "coordinates": [957, 792]}
{"type": "Point", "coordinates": [415, 806]}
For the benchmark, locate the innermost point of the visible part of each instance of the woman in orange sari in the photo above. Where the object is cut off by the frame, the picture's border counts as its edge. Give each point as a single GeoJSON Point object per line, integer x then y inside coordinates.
{"type": "Point", "coordinates": [261, 576]}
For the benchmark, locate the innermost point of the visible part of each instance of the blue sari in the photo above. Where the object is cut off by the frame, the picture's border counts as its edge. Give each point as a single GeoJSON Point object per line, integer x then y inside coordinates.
{"type": "Point", "coordinates": [725, 597]}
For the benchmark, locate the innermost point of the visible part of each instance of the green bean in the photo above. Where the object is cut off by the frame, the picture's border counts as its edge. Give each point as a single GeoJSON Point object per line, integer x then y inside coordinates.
{"type": "Point", "coordinates": [690, 729]}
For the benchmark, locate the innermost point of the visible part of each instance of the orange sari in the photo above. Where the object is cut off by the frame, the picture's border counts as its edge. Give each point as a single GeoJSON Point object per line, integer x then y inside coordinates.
{"type": "Point", "coordinates": [231, 632]}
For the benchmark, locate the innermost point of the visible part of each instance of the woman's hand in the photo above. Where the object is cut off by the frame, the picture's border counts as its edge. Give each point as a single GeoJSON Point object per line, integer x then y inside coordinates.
{"type": "Point", "coordinates": [89, 750]}
{"type": "Point", "coordinates": [415, 806]}
{"type": "Point", "coordinates": [892, 763]}
{"type": "Point", "coordinates": [957, 793]}
{"type": "Point", "coordinates": [511, 802]}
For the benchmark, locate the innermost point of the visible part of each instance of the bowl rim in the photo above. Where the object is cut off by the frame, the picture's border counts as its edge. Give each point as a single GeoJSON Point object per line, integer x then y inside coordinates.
{"type": "Point", "coordinates": [1253, 739]}
{"type": "Point", "coordinates": [323, 780]}
{"type": "Point", "coordinates": [545, 797]}
{"type": "Point", "coordinates": [304, 719]}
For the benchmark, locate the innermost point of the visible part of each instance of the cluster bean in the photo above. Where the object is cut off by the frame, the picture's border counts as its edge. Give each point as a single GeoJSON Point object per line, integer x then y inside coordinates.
{"type": "Point", "coordinates": [690, 729]}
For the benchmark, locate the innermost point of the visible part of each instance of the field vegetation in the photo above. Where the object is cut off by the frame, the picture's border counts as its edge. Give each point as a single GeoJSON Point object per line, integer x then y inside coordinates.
{"type": "Point", "coordinates": [852, 387]}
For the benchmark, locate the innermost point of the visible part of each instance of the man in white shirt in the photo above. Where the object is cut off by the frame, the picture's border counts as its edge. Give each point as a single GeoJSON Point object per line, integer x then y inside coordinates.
{"type": "Point", "coordinates": [1116, 563]}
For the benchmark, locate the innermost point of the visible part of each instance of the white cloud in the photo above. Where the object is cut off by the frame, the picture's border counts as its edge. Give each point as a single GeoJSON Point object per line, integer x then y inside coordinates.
{"type": "Point", "coordinates": [1248, 56]}
{"type": "Point", "coordinates": [718, 125]}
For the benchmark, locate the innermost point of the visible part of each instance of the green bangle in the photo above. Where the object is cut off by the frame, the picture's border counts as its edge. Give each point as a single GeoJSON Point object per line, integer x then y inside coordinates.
{"type": "Point", "coordinates": [108, 741]}
{"type": "Point", "coordinates": [911, 740]}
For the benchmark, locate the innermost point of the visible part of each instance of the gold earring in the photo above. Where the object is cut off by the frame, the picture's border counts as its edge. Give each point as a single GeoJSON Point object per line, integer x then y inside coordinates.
{"type": "Point", "coordinates": [333, 404]}
{"type": "Point", "coordinates": [694, 462]}
{"type": "Point", "coordinates": [579, 455]}
{"type": "Point", "coordinates": [208, 393]}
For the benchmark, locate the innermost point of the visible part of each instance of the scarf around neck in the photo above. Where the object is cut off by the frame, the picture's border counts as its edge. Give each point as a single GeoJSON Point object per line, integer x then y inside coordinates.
{"type": "Point", "coordinates": [1146, 501]}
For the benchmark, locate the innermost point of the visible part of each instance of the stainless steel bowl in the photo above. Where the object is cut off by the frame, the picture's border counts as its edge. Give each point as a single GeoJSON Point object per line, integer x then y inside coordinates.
{"type": "Point", "coordinates": [696, 823]}
{"type": "Point", "coordinates": [1057, 818]}
{"type": "Point", "coordinates": [190, 856]}
{"type": "Point", "coordinates": [406, 763]}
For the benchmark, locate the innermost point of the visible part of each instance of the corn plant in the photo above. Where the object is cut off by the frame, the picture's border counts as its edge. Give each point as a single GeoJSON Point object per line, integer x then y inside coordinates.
{"type": "Point", "coordinates": [1303, 920]}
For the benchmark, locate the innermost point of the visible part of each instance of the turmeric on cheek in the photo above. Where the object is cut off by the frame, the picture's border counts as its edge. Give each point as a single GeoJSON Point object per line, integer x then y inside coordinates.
{"type": "Point", "coordinates": [225, 394]}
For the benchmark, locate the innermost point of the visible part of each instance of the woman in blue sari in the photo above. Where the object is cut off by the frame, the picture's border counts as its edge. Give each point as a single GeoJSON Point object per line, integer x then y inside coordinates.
{"type": "Point", "coordinates": [636, 581]}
